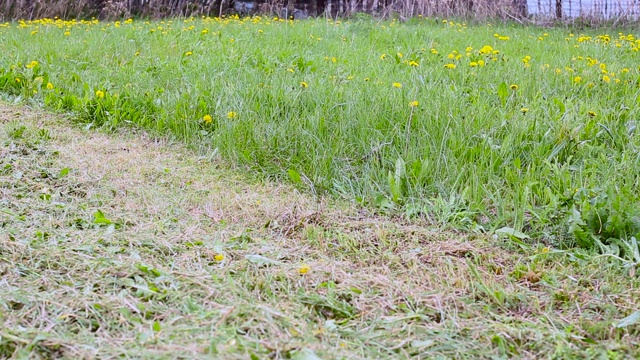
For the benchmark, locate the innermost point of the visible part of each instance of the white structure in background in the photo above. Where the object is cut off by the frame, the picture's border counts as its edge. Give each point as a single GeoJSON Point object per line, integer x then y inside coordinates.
{"type": "Point", "coordinates": [244, 7]}
{"type": "Point", "coordinates": [608, 9]}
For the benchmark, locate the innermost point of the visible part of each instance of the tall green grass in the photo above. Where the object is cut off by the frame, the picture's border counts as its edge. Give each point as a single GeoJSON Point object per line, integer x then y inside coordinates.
{"type": "Point", "coordinates": [542, 138]}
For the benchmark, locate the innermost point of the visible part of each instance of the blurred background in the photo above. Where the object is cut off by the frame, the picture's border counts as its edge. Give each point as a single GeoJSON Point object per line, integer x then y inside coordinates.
{"type": "Point", "coordinates": [549, 10]}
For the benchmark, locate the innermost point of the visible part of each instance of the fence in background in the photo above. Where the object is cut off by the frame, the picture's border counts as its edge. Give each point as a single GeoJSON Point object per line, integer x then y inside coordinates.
{"type": "Point", "coordinates": [503, 9]}
{"type": "Point", "coordinates": [590, 9]}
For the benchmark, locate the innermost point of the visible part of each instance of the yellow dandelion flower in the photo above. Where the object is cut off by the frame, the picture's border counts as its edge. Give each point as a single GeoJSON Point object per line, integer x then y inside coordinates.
{"type": "Point", "coordinates": [290, 70]}
{"type": "Point", "coordinates": [592, 113]}
{"type": "Point", "coordinates": [481, 62]}
{"type": "Point", "coordinates": [67, 33]}
{"type": "Point", "coordinates": [473, 64]}
{"type": "Point", "coordinates": [397, 85]}
{"type": "Point", "coordinates": [231, 114]}
{"type": "Point", "coordinates": [99, 94]}
{"type": "Point", "coordinates": [486, 49]}
{"type": "Point", "coordinates": [304, 269]}
{"type": "Point", "coordinates": [524, 110]}
{"type": "Point", "coordinates": [333, 59]}
{"type": "Point", "coordinates": [304, 84]}
{"type": "Point", "coordinates": [188, 53]}
{"type": "Point", "coordinates": [31, 64]}
{"type": "Point", "coordinates": [450, 66]}
{"type": "Point", "coordinates": [400, 55]}
{"type": "Point", "coordinates": [18, 80]}
{"type": "Point", "coordinates": [49, 86]}
{"type": "Point", "coordinates": [606, 79]}
{"type": "Point", "coordinates": [577, 79]}
{"type": "Point", "coordinates": [413, 63]}
{"type": "Point", "coordinates": [513, 87]}
{"type": "Point", "coordinates": [383, 56]}
{"type": "Point", "coordinates": [545, 249]}
{"type": "Point", "coordinates": [207, 119]}
{"type": "Point", "coordinates": [414, 103]}
{"type": "Point", "coordinates": [218, 257]}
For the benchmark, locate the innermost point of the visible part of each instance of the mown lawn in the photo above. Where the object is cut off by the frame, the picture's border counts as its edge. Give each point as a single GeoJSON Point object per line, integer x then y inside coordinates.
{"type": "Point", "coordinates": [254, 187]}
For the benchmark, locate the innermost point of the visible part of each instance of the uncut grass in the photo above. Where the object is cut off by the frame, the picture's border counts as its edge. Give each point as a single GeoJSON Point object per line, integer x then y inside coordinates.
{"type": "Point", "coordinates": [465, 151]}
{"type": "Point", "coordinates": [377, 288]}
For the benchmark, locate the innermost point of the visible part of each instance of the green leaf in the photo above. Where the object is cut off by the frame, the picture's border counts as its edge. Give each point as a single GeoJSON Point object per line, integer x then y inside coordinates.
{"type": "Point", "coordinates": [577, 228]}
{"type": "Point", "coordinates": [397, 180]}
{"type": "Point", "coordinates": [512, 232]}
{"type": "Point", "coordinates": [629, 320]}
{"type": "Point", "coordinates": [560, 104]}
{"type": "Point", "coordinates": [294, 176]}
{"type": "Point", "coordinates": [381, 201]}
{"type": "Point", "coordinates": [100, 219]}
{"type": "Point", "coordinates": [393, 187]}
{"type": "Point", "coordinates": [503, 92]}
{"type": "Point", "coordinates": [156, 326]}
{"type": "Point", "coordinates": [400, 169]}
{"type": "Point", "coordinates": [63, 173]}
{"type": "Point", "coordinates": [557, 149]}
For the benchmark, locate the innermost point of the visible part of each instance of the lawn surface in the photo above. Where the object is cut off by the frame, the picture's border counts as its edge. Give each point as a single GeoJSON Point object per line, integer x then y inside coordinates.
{"type": "Point", "coordinates": [128, 245]}
{"type": "Point", "coordinates": [473, 126]}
